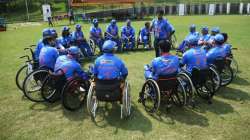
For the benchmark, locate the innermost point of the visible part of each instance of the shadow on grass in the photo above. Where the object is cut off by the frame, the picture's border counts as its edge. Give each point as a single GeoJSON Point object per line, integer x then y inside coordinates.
{"type": "Point", "coordinates": [46, 106]}
{"type": "Point", "coordinates": [240, 81]}
{"type": "Point", "coordinates": [109, 115]}
{"type": "Point", "coordinates": [77, 115]}
{"type": "Point", "coordinates": [233, 94]}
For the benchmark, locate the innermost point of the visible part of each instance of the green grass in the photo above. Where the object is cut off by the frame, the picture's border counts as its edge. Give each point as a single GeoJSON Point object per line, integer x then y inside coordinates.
{"type": "Point", "coordinates": [227, 118]}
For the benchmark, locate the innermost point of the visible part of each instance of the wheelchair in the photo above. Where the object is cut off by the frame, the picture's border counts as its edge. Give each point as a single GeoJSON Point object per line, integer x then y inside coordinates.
{"type": "Point", "coordinates": [74, 93]}
{"type": "Point", "coordinates": [140, 41]}
{"type": "Point", "coordinates": [222, 66]}
{"type": "Point", "coordinates": [233, 63]}
{"type": "Point", "coordinates": [171, 88]}
{"type": "Point", "coordinates": [205, 82]}
{"type": "Point", "coordinates": [33, 83]}
{"type": "Point", "coordinates": [29, 65]}
{"type": "Point", "coordinates": [109, 91]}
{"type": "Point", "coordinates": [52, 86]}
{"type": "Point", "coordinates": [128, 43]}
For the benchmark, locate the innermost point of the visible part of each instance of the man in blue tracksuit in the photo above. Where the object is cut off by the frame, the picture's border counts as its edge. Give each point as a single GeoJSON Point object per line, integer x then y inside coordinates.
{"type": "Point", "coordinates": [204, 38]}
{"type": "Point", "coordinates": [217, 51]}
{"type": "Point", "coordinates": [66, 38]}
{"type": "Point", "coordinates": [96, 34]}
{"type": "Point", "coordinates": [227, 47]}
{"type": "Point", "coordinates": [112, 33]}
{"type": "Point", "coordinates": [162, 29]}
{"type": "Point", "coordinates": [165, 65]}
{"type": "Point", "coordinates": [195, 57]}
{"type": "Point", "coordinates": [69, 65]}
{"type": "Point", "coordinates": [145, 36]}
{"type": "Point", "coordinates": [183, 46]}
{"type": "Point", "coordinates": [40, 44]}
{"type": "Point", "coordinates": [108, 66]}
{"type": "Point", "coordinates": [128, 35]}
{"type": "Point", "coordinates": [79, 40]}
{"type": "Point", "coordinates": [48, 54]}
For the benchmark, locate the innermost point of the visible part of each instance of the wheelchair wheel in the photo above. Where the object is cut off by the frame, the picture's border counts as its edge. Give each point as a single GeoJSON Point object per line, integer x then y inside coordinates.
{"type": "Point", "coordinates": [174, 43]}
{"type": "Point", "coordinates": [226, 76]}
{"type": "Point", "coordinates": [92, 102]}
{"type": "Point", "coordinates": [33, 83]}
{"type": "Point", "coordinates": [126, 101]}
{"type": "Point", "coordinates": [20, 76]}
{"type": "Point", "coordinates": [49, 91]}
{"type": "Point", "coordinates": [216, 79]}
{"type": "Point", "coordinates": [233, 65]}
{"type": "Point", "coordinates": [73, 94]}
{"type": "Point", "coordinates": [93, 46]}
{"type": "Point", "coordinates": [207, 90]}
{"type": "Point", "coordinates": [150, 96]}
{"type": "Point", "coordinates": [180, 96]}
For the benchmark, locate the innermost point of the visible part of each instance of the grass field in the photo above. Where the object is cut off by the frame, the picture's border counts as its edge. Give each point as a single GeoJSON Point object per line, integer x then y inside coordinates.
{"type": "Point", "coordinates": [227, 118]}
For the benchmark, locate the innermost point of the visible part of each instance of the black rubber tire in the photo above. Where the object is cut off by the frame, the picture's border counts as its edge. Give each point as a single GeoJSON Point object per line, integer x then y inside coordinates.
{"type": "Point", "coordinates": [18, 84]}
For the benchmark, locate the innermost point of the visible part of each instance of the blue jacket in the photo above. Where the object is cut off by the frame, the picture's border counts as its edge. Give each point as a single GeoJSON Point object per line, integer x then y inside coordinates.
{"type": "Point", "coordinates": [109, 67]}
{"type": "Point", "coordinates": [161, 28]}
{"type": "Point", "coordinates": [38, 48]}
{"type": "Point", "coordinates": [113, 30]}
{"type": "Point", "coordinates": [48, 56]}
{"type": "Point", "coordinates": [215, 53]}
{"type": "Point", "coordinates": [227, 49]}
{"type": "Point", "coordinates": [77, 36]}
{"type": "Point", "coordinates": [165, 65]}
{"type": "Point", "coordinates": [195, 58]}
{"type": "Point", "coordinates": [70, 67]}
{"type": "Point", "coordinates": [127, 31]}
{"type": "Point", "coordinates": [65, 41]}
{"type": "Point", "coordinates": [204, 37]}
{"type": "Point", "coordinates": [95, 33]}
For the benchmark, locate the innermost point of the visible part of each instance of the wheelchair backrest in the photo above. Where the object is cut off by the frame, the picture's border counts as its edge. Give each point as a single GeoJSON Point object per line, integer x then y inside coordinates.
{"type": "Point", "coordinates": [199, 77]}
{"type": "Point", "coordinates": [108, 90]}
{"type": "Point", "coordinates": [167, 83]}
{"type": "Point", "coordinates": [220, 63]}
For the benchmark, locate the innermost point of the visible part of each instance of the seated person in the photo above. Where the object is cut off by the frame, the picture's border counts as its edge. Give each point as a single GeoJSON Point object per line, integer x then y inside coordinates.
{"type": "Point", "coordinates": [165, 65]}
{"type": "Point", "coordinates": [183, 46]}
{"type": "Point", "coordinates": [69, 65]}
{"type": "Point", "coordinates": [40, 44]}
{"type": "Point", "coordinates": [205, 36]}
{"type": "Point", "coordinates": [214, 32]}
{"type": "Point", "coordinates": [57, 44]}
{"type": "Point", "coordinates": [65, 39]}
{"type": "Point", "coordinates": [217, 51]}
{"type": "Point", "coordinates": [195, 57]}
{"type": "Point", "coordinates": [108, 66]}
{"type": "Point", "coordinates": [227, 47]}
{"type": "Point", "coordinates": [48, 54]}
{"type": "Point", "coordinates": [112, 33]}
{"type": "Point", "coordinates": [80, 41]}
{"type": "Point", "coordinates": [128, 35]}
{"type": "Point", "coordinates": [96, 34]}
{"type": "Point", "coordinates": [145, 36]}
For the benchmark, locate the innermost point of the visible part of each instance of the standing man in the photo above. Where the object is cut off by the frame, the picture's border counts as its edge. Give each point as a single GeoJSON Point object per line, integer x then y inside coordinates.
{"type": "Point", "coordinates": [71, 16]}
{"type": "Point", "coordinates": [49, 18]}
{"type": "Point", "coordinates": [162, 30]}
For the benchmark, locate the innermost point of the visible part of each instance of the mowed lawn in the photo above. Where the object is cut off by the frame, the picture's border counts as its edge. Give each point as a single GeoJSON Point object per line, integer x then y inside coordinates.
{"type": "Point", "coordinates": [227, 118]}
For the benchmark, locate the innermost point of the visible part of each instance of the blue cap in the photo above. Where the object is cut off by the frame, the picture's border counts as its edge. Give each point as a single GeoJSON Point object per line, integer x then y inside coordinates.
{"type": "Point", "coordinates": [54, 33]}
{"type": "Point", "coordinates": [108, 46]}
{"type": "Point", "coordinates": [78, 26]}
{"type": "Point", "coordinates": [193, 40]}
{"type": "Point", "coordinates": [65, 28]}
{"type": "Point", "coordinates": [73, 50]}
{"type": "Point", "coordinates": [219, 38]}
{"type": "Point", "coordinates": [95, 21]}
{"type": "Point", "coordinates": [215, 30]}
{"type": "Point", "coordinates": [113, 21]}
{"type": "Point", "coordinates": [204, 28]}
{"type": "Point", "coordinates": [47, 33]}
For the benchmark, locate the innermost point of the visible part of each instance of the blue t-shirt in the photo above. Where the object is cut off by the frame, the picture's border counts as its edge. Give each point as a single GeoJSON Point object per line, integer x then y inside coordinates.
{"type": "Point", "coordinates": [95, 33]}
{"type": "Point", "coordinates": [127, 31]}
{"type": "Point", "coordinates": [215, 53]}
{"type": "Point", "coordinates": [113, 30]}
{"type": "Point", "coordinates": [48, 56]}
{"type": "Point", "coordinates": [161, 28]}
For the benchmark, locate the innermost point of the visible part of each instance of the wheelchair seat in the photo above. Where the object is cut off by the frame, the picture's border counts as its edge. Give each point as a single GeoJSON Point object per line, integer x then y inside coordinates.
{"type": "Point", "coordinates": [167, 83]}
{"type": "Point", "coordinates": [199, 76]}
{"type": "Point", "coordinates": [57, 79]}
{"type": "Point", "coordinates": [108, 90]}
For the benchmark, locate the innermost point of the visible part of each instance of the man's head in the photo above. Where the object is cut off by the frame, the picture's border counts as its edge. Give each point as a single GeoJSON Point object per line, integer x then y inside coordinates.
{"type": "Point", "coordinates": [74, 52]}
{"type": "Point", "coordinates": [128, 22]}
{"type": "Point", "coordinates": [78, 27]}
{"type": "Point", "coordinates": [192, 28]}
{"type": "Point", "coordinates": [113, 22]}
{"type": "Point", "coordinates": [204, 30]}
{"type": "Point", "coordinates": [54, 33]}
{"type": "Point", "coordinates": [65, 31]}
{"type": "Point", "coordinates": [109, 46]}
{"type": "Point", "coordinates": [225, 36]}
{"type": "Point", "coordinates": [215, 30]}
{"type": "Point", "coordinates": [193, 41]}
{"type": "Point", "coordinates": [218, 39]}
{"type": "Point", "coordinates": [160, 14]}
{"type": "Point", "coordinates": [164, 46]}
{"type": "Point", "coordinates": [95, 22]}
{"type": "Point", "coordinates": [48, 38]}
{"type": "Point", "coordinates": [147, 25]}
